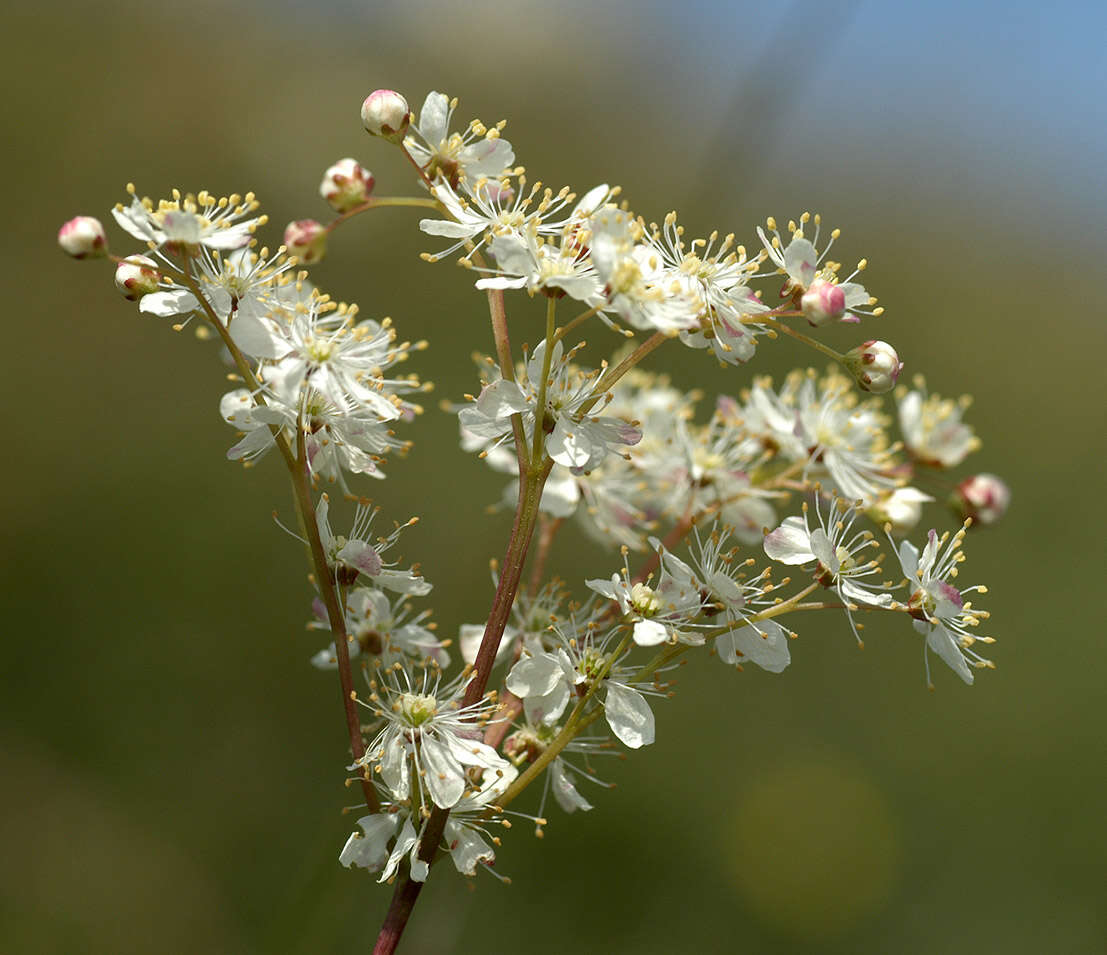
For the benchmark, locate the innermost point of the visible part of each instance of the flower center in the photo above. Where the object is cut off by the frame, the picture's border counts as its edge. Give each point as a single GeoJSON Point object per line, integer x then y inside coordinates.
{"type": "Point", "coordinates": [644, 600]}
{"type": "Point", "coordinates": [418, 708]}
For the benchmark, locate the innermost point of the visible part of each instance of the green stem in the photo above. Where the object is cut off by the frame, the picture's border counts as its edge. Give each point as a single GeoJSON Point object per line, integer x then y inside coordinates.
{"type": "Point", "coordinates": [565, 329]}
{"type": "Point", "coordinates": [806, 339]}
{"type": "Point", "coordinates": [378, 203]}
{"type": "Point", "coordinates": [612, 375]}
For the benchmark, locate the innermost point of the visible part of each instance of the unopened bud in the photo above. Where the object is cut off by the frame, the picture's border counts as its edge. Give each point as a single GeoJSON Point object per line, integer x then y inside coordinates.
{"type": "Point", "coordinates": [83, 238]}
{"type": "Point", "coordinates": [875, 366]}
{"type": "Point", "coordinates": [136, 276]}
{"type": "Point", "coordinates": [983, 497]}
{"type": "Point", "coordinates": [346, 185]}
{"type": "Point", "coordinates": [823, 302]}
{"type": "Point", "coordinates": [385, 113]}
{"type": "Point", "coordinates": [307, 240]}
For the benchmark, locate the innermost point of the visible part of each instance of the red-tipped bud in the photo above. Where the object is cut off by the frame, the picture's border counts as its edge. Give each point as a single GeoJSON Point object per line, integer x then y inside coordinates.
{"type": "Point", "coordinates": [983, 497]}
{"type": "Point", "coordinates": [385, 113]}
{"type": "Point", "coordinates": [135, 276]}
{"type": "Point", "coordinates": [823, 302]}
{"type": "Point", "coordinates": [346, 185]}
{"type": "Point", "coordinates": [307, 240]}
{"type": "Point", "coordinates": [875, 366]}
{"type": "Point", "coordinates": [83, 238]}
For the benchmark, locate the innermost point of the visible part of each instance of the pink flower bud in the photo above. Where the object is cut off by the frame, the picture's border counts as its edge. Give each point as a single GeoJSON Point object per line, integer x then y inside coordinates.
{"type": "Point", "coordinates": [83, 238]}
{"type": "Point", "coordinates": [136, 276]}
{"type": "Point", "coordinates": [875, 366]}
{"type": "Point", "coordinates": [385, 113]}
{"type": "Point", "coordinates": [983, 497]}
{"type": "Point", "coordinates": [307, 240]}
{"type": "Point", "coordinates": [346, 185]}
{"type": "Point", "coordinates": [822, 302]}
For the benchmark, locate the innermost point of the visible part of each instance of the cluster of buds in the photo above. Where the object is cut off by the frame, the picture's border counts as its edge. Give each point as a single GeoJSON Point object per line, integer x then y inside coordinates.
{"type": "Point", "coordinates": [692, 499]}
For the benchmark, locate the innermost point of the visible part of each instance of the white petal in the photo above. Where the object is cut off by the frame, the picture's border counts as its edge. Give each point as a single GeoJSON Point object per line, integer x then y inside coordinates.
{"type": "Point", "coordinates": [433, 117]}
{"type": "Point", "coordinates": [606, 588]}
{"type": "Point", "coordinates": [790, 543]}
{"type": "Point", "coordinates": [362, 557]}
{"type": "Point", "coordinates": [862, 596]}
{"type": "Point", "coordinates": [649, 633]}
{"type": "Point", "coordinates": [629, 716]}
{"type": "Point", "coordinates": [253, 336]}
{"type": "Point", "coordinates": [488, 158]}
{"type": "Point", "coordinates": [942, 642]}
{"type": "Point", "coordinates": [406, 840]}
{"type": "Point", "coordinates": [501, 399]}
{"type": "Point", "coordinates": [770, 652]}
{"type": "Point", "coordinates": [824, 553]}
{"type": "Point", "coordinates": [369, 848]}
{"type": "Point", "coordinates": [445, 778]}
{"type": "Point", "coordinates": [395, 770]}
{"type": "Point", "coordinates": [548, 707]}
{"type": "Point", "coordinates": [909, 558]}
{"type": "Point", "coordinates": [534, 676]}
{"type": "Point", "coordinates": [466, 848]}
{"type": "Point", "coordinates": [168, 304]}
{"type": "Point", "coordinates": [449, 230]}
{"type": "Point", "coordinates": [800, 261]}
{"type": "Point", "coordinates": [564, 791]}
{"type": "Point", "coordinates": [403, 582]}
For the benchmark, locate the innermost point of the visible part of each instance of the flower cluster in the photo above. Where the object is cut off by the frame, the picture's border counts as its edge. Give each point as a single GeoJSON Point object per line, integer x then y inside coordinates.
{"type": "Point", "coordinates": [693, 499]}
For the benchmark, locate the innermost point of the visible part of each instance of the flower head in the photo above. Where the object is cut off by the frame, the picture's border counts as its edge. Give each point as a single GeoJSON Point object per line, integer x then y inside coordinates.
{"type": "Point", "coordinates": [185, 223]}
{"type": "Point", "coordinates": [478, 152]}
{"type": "Point", "coordinates": [941, 612]}
{"type": "Point", "coordinates": [812, 279]}
{"type": "Point", "coordinates": [838, 554]}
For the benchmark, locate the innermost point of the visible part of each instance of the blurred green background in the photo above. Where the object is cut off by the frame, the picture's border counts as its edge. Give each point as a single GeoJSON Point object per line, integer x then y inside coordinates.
{"type": "Point", "coordinates": [172, 766]}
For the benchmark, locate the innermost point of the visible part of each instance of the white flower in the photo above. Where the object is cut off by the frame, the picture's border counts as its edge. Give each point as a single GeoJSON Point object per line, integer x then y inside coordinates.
{"type": "Point", "coordinates": [352, 554]}
{"type": "Point", "coordinates": [824, 424]}
{"type": "Point", "coordinates": [325, 350]}
{"type": "Point", "coordinates": [190, 221]}
{"type": "Point", "coordinates": [839, 556]}
{"type": "Point", "coordinates": [491, 208]}
{"type": "Point", "coordinates": [634, 276]}
{"type": "Point", "coordinates": [933, 430]}
{"type": "Point", "coordinates": [547, 680]}
{"type": "Point", "coordinates": [544, 682]}
{"type": "Point", "coordinates": [715, 277]}
{"type": "Point", "coordinates": [381, 626]}
{"type": "Point", "coordinates": [529, 741]}
{"type": "Point", "coordinates": [812, 280]}
{"type": "Point", "coordinates": [428, 740]}
{"type": "Point", "coordinates": [525, 261]}
{"type": "Point", "coordinates": [940, 610]}
{"type": "Point", "coordinates": [255, 421]}
{"type": "Point", "coordinates": [247, 293]}
{"type": "Point", "coordinates": [477, 153]}
{"type": "Point", "coordinates": [351, 440]}
{"type": "Point", "coordinates": [577, 440]}
{"type": "Point", "coordinates": [731, 600]}
{"type": "Point", "coordinates": [661, 615]}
